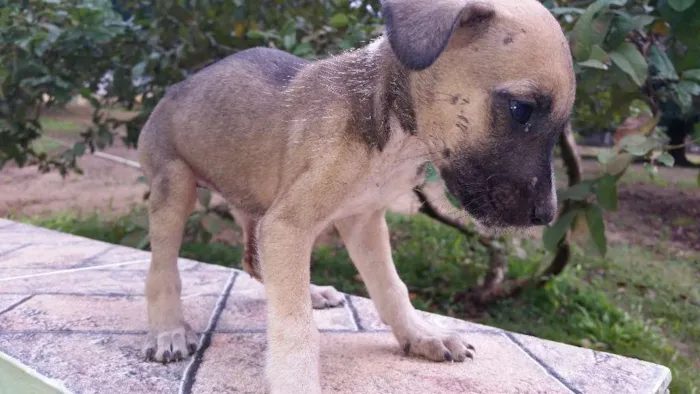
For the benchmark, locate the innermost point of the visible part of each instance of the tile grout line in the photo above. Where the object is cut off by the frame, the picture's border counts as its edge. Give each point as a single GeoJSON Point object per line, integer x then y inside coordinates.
{"type": "Point", "coordinates": [5, 253]}
{"type": "Point", "coordinates": [88, 260]}
{"type": "Point", "coordinates": [16, 304]}
{"type": "Point", "coordinates": [71, 270]}
{"type": "Point", "coordinates": [550, 371]}
{"type": "Point", "coordinates": [190, 375]}
{"type": "Point", "coordinates": [355, 313]}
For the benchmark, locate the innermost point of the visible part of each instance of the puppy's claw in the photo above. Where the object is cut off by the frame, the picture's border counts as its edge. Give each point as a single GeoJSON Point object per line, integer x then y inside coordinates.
{"type": "Point", "coordinates": [407, 348]}
{"type": "Point", "coordinates": [166, 357]}
{"type": "Point", "coordinates": [177, 356]}
{"type": "Point", "coordinates": [470, 347]}
{"type": "Point", "coordinates": [448, 356]}
{"type": "Point", "coordinates": [470, 355]}
{"type": "Point", "coordinates": [191, 348]}
{"type": "Point", "coordinates": [150, 354]}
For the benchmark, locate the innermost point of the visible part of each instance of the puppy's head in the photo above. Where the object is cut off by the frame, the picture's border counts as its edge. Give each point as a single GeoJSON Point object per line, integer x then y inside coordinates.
{"type": "Point", "coordinates": [493, 87]}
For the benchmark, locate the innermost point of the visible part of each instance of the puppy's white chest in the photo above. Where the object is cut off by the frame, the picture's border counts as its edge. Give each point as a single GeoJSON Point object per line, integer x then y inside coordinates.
{"type": "Point", "coordinates": [395, 172]}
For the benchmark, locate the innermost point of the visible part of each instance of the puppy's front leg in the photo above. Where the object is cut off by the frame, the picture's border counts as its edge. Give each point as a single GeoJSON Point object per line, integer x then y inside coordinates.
{"type": "Point", "coordinates": [293, 339]}
{"type": "Point", "coordinates": [366, 238]}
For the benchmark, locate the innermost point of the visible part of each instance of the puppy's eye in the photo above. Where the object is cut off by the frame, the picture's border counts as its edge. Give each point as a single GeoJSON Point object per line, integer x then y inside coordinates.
{"type": "Point", "coordinates": [520, 111]}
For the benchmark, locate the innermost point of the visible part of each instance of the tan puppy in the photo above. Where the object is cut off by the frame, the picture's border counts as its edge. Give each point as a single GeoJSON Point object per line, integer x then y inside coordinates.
{"type": "Point", "coordinates": [482, 89]}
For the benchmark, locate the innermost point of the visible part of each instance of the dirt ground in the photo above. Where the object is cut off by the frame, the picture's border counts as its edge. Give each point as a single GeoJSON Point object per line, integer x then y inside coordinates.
{"type": "Point", "coordinates": [648, 214]}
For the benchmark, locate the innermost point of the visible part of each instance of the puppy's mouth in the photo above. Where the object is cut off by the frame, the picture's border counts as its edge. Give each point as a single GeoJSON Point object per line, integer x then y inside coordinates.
{"type": "Point", "coordinates": [493, 210]}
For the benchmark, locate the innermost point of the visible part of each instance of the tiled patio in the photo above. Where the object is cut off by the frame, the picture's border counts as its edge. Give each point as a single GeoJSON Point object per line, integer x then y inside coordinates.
{"type": "Point", "coordinates": [72, 314]}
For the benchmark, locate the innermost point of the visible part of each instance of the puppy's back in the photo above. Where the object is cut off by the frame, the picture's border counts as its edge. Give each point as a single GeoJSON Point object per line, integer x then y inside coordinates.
{"type": "Point", "coordinates": [227, 119]}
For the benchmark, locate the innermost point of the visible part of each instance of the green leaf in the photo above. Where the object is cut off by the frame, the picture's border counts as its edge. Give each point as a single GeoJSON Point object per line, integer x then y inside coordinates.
{"type": "Point", "coordinates": [303, 49]}
{"type": "Point", "coordinates": [632, 140]}
{"type": "Point", "coordinates": [692, 88]}
{"type": "Point", "coordinates": [593, 63]}
{"type": "Point", "coordinates": [452, 199]}
{"type": "Point", "coordinates": [577, 192]}
{"type": "Point", "coordinates": [665, 68]}
{"type": "Point", "coordinates": [681, 5]}
{"type": "Point", "coordinates": [641, 21]}
{"type": "Point", "coordinates": [79, 149]}
{"type": "Point", "coordinates": [683, 98]}
{"type": "Point", "coordinates": [138, 70]}
{"type": "Point", "coordinates": [598, 53]}
{"type": "Point", "coordinates": [596, 225]}
{"type": "Point", "coordinates": [692, 74]}
{"type": "Point", "coordinates": [289, 40]}
{"type": "Point", "coordinates": [339, 21]}
{"type": "Point", "coordinates": [600, 28]}
{"type": "Point", "coordinates": [566, 10]}
{"type": "Point", "coordinates": [684, 25]}
{"type": "Point", "coordinates": [606, 156]}
{"type": "Point", "coordinates": [665, 159]}
{"type": "Point", "coordinates": [204, 196]}
{"type": "Point", "coordinates": [255, 34]}
{"type": "Point", "coordinates": [431, 173]}
{"type": "Point", "coordinates": [651, 169]}
{"type": "Point", "coordinates": [638, 145]}
{"type": "Point", "coordinates": [553, 234]}
{"type": "Point", "coordinates": [583, 30]}
{"type": "Point", "coordinates": [631, 61]}
{"type": "Point", "coordinates": [607, 192]}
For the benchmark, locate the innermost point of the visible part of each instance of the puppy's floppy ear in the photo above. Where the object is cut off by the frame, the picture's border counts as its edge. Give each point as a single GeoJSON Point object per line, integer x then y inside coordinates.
{"type": "Point", "coordinates": [419, 30]}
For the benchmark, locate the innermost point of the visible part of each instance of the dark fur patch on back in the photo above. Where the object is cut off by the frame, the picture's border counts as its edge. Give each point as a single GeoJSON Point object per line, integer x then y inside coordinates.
{"type": "Point", "coordinates": [276, 66]}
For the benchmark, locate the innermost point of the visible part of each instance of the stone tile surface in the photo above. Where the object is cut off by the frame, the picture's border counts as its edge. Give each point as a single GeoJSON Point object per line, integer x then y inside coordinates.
{"type": "Point", "coordinates": [589, 371]}
{"type": "Point", "coordinates": [74, 310]}
{"type": "Point", "coordinates": [246, 310]}
{"type": "Point", "coordinates": [93, 363]}
{"type": "Point", "coordinates": [369, 319]}
{"type": "Point", "coordinates": [95, 313]}
{"type": "Point", "coordinates": [364, 363]}
{"type": "Point", "coordinates": [54, 257]}
{"type": "Point", "coordinates": [118, 280]}
{"type": "Point", "coordinates": [22, 234]}
{"type": "Point", "coordinates": [8, 301]}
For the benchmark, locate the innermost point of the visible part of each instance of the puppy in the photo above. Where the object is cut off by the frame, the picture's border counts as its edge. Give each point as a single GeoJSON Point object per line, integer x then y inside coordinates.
{"type": "Point", "coordinates": [482, 89]}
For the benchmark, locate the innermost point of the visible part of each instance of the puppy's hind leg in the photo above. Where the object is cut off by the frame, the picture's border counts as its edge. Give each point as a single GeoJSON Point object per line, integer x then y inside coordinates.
{"type": "Point", "coordinates": [172, 199]}
{"type": "Point", "coordinates": [322, 297]}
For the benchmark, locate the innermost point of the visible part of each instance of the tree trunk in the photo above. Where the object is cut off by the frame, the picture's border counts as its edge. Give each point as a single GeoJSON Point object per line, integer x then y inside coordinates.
{"type": "Point", "coordinates": [678, 129]}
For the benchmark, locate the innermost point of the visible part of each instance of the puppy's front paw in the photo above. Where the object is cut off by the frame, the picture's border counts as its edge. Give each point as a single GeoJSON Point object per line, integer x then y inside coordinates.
{"type": "Point", "coordinates": [323, 297]}
{"type": "Point", "coordinates": [170, 345]}
{"type": "Point", "coordinates": [437, 346]}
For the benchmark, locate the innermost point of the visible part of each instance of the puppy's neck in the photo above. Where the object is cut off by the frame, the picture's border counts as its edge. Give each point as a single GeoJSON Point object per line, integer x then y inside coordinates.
{"type": "Point", "coordinates": [377, 88]}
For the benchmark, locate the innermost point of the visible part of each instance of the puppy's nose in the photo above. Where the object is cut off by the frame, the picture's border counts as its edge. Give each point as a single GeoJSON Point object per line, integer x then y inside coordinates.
{"type": "Point", "coordinates": [542, 214]}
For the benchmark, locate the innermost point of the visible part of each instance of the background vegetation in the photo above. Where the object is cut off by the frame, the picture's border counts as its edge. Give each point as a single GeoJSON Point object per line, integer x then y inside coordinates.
{"type": "Point", "coordinates": [638, 71]}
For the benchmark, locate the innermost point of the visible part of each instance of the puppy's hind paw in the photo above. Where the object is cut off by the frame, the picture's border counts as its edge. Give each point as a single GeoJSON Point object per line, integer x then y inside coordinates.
{"type": "Point", "coordinates": [450, 347]}
{"type": "Point", "coordinates": [169, 345]}
{"type": "Point", "coordinates": [323, 297]}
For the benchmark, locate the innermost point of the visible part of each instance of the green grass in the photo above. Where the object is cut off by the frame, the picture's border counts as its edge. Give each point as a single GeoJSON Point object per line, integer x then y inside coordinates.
{"type": "Point", "coordinates": [635, 302]}
{"type": "Point", "coordinates": [59, 127]}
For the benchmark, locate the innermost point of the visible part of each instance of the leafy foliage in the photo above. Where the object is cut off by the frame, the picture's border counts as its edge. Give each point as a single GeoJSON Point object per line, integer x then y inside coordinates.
{"type": "Point", "coordinates": [631, 57]}
{"type": "Point", "coordinates": [133, 50]}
